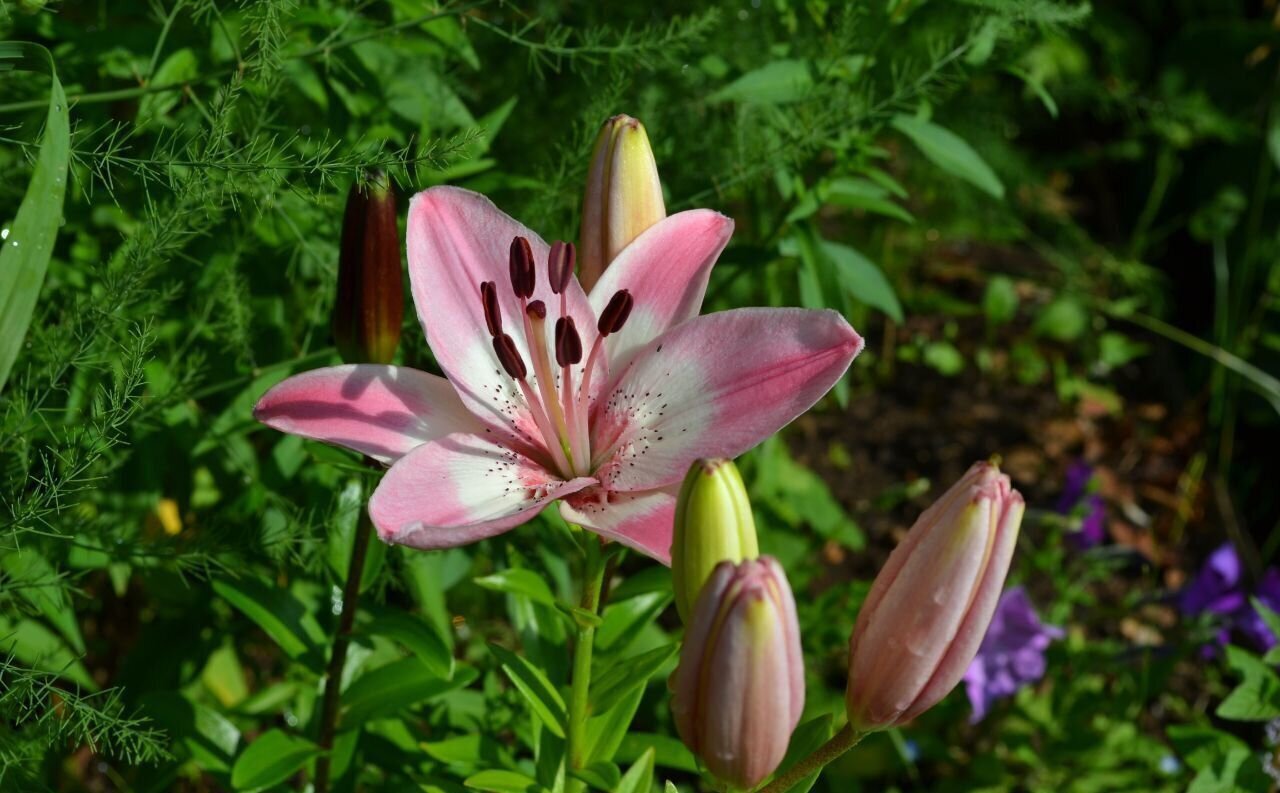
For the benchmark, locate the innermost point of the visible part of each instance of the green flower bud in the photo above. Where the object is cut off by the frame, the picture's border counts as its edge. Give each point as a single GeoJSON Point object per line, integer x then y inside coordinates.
{"type": "Point", "coordinates": [713, 524]}
{"type": "Point", "coordinates": [370, 304]}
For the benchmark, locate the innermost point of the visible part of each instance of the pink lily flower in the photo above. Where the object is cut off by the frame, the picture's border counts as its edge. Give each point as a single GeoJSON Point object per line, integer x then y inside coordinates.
{"type": "Point", "coordinates": [599, 402]}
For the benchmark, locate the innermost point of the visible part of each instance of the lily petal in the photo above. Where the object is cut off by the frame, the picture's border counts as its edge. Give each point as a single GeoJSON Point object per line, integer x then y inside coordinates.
{"type": "Point", "coordinates": [381, 411]}
{"type": "Point", "coordinates": [460, 489]}
{"type": "Point", "coordinates": [457, 240]}
{"type": "Point", "coordinates": [715, 386]}
{"type": "Point", "coordinates": [642, 521]}
{"type": "Point", "coordinates": [666, 270]}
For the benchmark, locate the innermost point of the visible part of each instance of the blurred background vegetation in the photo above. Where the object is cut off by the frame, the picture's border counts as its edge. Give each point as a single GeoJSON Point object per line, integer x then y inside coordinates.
{"type": "Point", "coordinates": [1055, 224]}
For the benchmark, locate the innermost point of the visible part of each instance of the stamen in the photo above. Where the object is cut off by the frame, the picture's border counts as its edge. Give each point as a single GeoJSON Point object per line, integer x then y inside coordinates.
{"type": "Point", "coordinates": [560, 265]}
{"type": "Point", "coordinates": [536, 310]}
{"type": "Point", "coordinates": [523, 272]}
{"type": "Point", "coordinates": [568, 342]}
{"type": "Point", "coordinates": [505, 348]}
{"type": "Point", "coordinates": [492, 313]}
{"type": "Point", "coordinates": [615, 314]}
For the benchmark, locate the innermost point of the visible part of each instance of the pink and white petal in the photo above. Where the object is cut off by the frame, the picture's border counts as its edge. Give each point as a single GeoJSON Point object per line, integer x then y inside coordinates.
{"type": "Point", "coordinates": [642, 521]}
{"type": "Point", "coordinates": [666, 270]}
{"type": "Point", "coordinates": [459, 489]}
{"type": "Point", "coordinates": [457, 240]}
{"type": "Point", "coordinates": [381, 411]}
{"type": "Point", "coordinates": [715, 386]}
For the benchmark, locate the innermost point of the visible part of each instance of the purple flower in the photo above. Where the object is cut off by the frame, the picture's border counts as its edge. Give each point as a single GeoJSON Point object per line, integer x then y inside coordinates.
{"type": "Point", "coordinates": [1012, 652]}
{"type": "Point", "coordinates": [1078, 498]}
{"type": "Point", "coordinates": [1218, 589]}
{"type": "Point", "coordinates": [1079, 477]}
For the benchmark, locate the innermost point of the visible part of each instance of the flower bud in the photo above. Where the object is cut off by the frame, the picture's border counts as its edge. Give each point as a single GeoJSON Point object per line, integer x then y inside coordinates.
{"type": "Point", "coordinates": [924, 617]}
{"type": "Point", "coordinates": [738, 691]}
{"type": "Point", "coordinates": [623, 197]}
{"type": "Point", "coordinates": [713, 524]}
{"type": "Point", "coordinates": [370, 304]}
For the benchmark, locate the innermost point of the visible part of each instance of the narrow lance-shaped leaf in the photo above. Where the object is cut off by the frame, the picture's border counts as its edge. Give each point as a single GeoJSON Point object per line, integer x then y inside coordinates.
{"type": "Point", "coordinates": [28, 245]}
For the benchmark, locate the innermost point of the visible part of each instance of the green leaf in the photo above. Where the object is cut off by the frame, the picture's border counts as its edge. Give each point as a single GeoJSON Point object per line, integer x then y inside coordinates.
{"type": "Point", "coordinates": [944, 358]}
{"type": "Point", "coordinates": [775, 83]}
{"type": "Point", "coordinates": [950, 152]}
{"type": "Point", "coordinates": [601, 776]}
{"type": "Point", "coordinates": [25, 252]}
{"type": "Point", "coordinates": [276, 611]}
{"type": "Point", "coordinates": [40, 648]}
{"type": "Point", "coordinates": [1000, 302]}
{"type": "Point", "coordinates": [1064, 320]}
{"type": "Point", "coordinates": [419, 637]}
{"type": "Point", "coordinates": [393, 687]}
{"type": "Point", "coordinates": [624, 677]}
{"type": "Point", "coordinates": [502, 782]}
{"type": "Point", "coordinates": [668, 751]}
{"type": "Point", "coordinates": [1199, 746]}
{"type": "Point", "coordinates": [864, 194]}
{"type": "Point", "coordinates": [178, 68]}
{"type": "Point", "coordinates": [624, 621]}
{"type": "Point", "coordinates": [519, 581]}
{"type": "Point", "coordinates": [472, 749]}
{"type": "Point", "coordinates": [639, 778]}
{"type": "Point", "coordinates": [607, 731]}
{"type": "Point", "coordinates": [861, 278]}
{"type": "Point", "coordinates": [271, 759]}
{"type": "Point", "coordinates": [35, 581]}
{"type": "Point", "coordinates": [542, 697]}
{"type": "Point", "coordinates": [1257, 697]}
{"type": "Point", "coordinates": [209, 737]}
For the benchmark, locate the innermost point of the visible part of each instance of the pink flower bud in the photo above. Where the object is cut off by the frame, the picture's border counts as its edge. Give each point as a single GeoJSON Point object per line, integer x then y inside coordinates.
{"type": "Point", "coordinates": [738, 692]}
{"type": "Point", "coordinates": [623, 196]}
{"type": "Point", "coordinates": [926, 613]}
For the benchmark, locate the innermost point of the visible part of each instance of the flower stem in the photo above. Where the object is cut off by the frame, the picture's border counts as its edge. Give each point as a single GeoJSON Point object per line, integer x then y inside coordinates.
{"type": "Point", "coordinates": [341, 641]}
{"type": "Point", "coordinates": [592, 583]}
{"type": "Point", "coordinates": [840, 743]}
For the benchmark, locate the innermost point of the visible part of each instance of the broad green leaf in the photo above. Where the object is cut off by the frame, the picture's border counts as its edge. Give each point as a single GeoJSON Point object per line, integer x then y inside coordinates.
{"type": "Point", "coordinates": [393, 687]}
{"type": "Point", "coordinates": [271, 759]}
{"type": "Point", "coordinates": [543, 699]}
{"type": "Point", "coordinates": [34, 580]}
{"type": "Point", "coordinates": [668, 751]}
{"type": "Point", "coordinates": [274, 610]}
{"type": "Point", "coordinates": [607, 731]}
{"type": "Point", "coordinates": [1201, 746]}
{"type": "Point", "coordinates": [415, 634]}
{"type": "Point", "coordinates": [206, 734]}
{"type": "Point", "coordinates": [639, 778]}
{"type": "Point", "coordinates": [40, 648]}
{"type": "Point", "coordinates": [950, 152]}
{"type": "Point", "coordinates": [518, 581]}
{"type": "Point", "coordinates": [502, 782]}
{"type": "Point", "coordinates": [774, 83]}
{"type": "Point", "coordinates": [472, 749]}
{"type": "Point", "coordinates": [1257, 697]}
{"type": "Point", "coordinates": [223, 676]}
{"type": "Point", "coordinates": [600, 776]}
{"type": "Point", "coordinates": [625, 676]}
{"type": "Point", "coordinates": [862, 279]}
{"type": "Point", "coordinates": [178, 68]}
{"type": "Point", "coordinates": [26, 249]}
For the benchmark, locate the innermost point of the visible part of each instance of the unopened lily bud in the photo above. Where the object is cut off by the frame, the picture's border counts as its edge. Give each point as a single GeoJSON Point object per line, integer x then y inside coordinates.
{"type": "Point", "coordinates": [370, 304]}
{"type": "Point", "coordinates": [738, 691]}
{"type": "Point", "coordinates": [713, 524]}
{"type": "Point", "coordinates": [928, 610]}
{"type": "Point", "coordinates": [623, 197]}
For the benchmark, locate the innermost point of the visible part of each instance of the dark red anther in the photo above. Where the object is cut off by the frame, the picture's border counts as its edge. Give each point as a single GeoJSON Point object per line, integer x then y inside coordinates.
{"type": "Point", "coordinates": [523, 273]}
{"type": "Point", "coordinates": [568, 342]}
{"type": "Point", "coordinates": [615, 314]}
{"type": "Point", "coordinates": [537, 310]}
{"type": "Point", "coordinates": [492, 314]}
{"type": "Point", "coordinates": [560, 265]}
{"type": "Point", "coordinates": [505, 348]}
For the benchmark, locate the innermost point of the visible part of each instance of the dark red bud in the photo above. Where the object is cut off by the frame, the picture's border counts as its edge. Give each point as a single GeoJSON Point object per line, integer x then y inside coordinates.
{"type": "Point", "coordinates": [492, 313]}
{"type": "Point", "coordinates": [568, 342]}
{"type": "Point", "coordinates": [615, 314]}
{"type": "Point", "coordinates": [509, 356]}
{"type": "Point", "coordinates": [537, 309]}
{"type": "Point", "coordinates": [523, 274]}
{"type": "Point", "coordinates": [560, 265]}
{"type": "Point", "coordinates": [370, 303]}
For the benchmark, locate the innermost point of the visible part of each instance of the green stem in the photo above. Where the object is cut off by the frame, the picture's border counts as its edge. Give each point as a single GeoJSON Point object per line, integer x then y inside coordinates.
{"type": "Point", "coordinates": [840, 743]}
{"type": "Point", "coordinates": [592, 583]}
{"type": "Point", "coordinates": [341, 641]}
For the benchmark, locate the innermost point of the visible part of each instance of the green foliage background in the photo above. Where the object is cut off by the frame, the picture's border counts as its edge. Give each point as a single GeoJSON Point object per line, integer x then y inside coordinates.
{"type": "Point", "coordinates": [1034, 196]}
